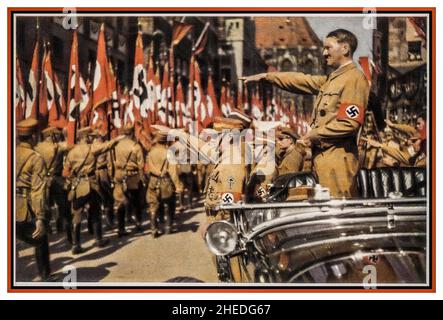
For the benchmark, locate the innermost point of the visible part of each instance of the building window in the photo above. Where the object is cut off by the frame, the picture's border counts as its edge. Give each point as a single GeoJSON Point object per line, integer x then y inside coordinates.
{"type": "Point", "coordinates": [414, 50]}
{"type": "Point", "coordinates": [286, 65]}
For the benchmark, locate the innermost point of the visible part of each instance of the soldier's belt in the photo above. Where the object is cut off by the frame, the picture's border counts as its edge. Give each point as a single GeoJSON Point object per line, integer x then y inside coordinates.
{"type": "Point", "coordinates": [85, 176]}
{"type": "Point", "coordinates": [155, 175]}
{"type": "Point", "coordinates": [131, 172]}
{"type": "Point", "coordinates": [22, 192]}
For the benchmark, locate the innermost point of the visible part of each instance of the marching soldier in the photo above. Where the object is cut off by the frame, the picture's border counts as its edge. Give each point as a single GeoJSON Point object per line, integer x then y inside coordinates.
{"type": "Point", "coordinates": [53, 152]}
{"type": "Point", "coordinates": [163, 182]}
{"type": "Point", "coordinates": [30, 196]}
{"type": "Point", "coordinates": [129, 178]}
{"type": "Point", "coordinates": [292, 156]}
{"type": "Point", "coordinates": [80, 166]}
{"type": "Point", "coordinates": [104, 182]}
{"type": "Point", "coordinates": [338, 112]}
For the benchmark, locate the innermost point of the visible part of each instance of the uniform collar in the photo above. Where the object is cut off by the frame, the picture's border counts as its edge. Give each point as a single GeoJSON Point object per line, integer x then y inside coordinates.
{"type": "Point", "coordinates": [342, 69]}
{"type": "Point", "coordinates": [26, 145]}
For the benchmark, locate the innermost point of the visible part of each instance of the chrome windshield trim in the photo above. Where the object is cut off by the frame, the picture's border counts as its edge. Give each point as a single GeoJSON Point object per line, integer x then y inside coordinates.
{"type": "Point", "coordinates": [332, 214]}
{"type": "Point", "coordinates": [330, 203]}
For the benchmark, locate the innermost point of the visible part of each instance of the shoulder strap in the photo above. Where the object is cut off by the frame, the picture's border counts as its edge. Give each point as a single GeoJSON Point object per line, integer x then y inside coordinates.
{"type": "Point", "coordinates": [129, 155]}
{"type": "Point", "coordinates": [53, 158]}
{"type": "Point", "coordinates": [162, 170]}
{"type": "Point", "coordinates": [83, 163]}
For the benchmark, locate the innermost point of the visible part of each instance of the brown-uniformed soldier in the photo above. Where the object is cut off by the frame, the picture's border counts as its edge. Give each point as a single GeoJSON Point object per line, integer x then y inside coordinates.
{"type": "Point", "coordinates": [30, 196]}
{"type": "Point", "coordinates": [370, 154]}
{"type": "Point", "coordinates": [410, 131]}
{"type": "Point", "coordinates": [415, 155]}
{"type": "Point", "coordinates": [84, 194]}
{"type": "Point", "coordinates": [227, 181]}
{"type": "Point", "coordinates": [129, 180]}
{"type": "Point", "coordinates": [293, 154]}
{"type": "Point", "coordinates": [337, 115]}
{"type": "Point", "coordinates": [103, 173]}
{"type": "Point", "coordinates": [52, 150]}
{"type": "Point", "coordinates": [163, 182]}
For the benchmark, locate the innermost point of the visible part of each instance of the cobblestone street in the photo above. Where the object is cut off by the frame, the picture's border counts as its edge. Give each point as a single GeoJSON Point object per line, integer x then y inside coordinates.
{"type": "Point", "coordinates": [136, 258]}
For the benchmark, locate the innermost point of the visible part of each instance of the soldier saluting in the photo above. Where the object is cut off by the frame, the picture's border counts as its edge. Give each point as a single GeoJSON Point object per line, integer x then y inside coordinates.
{"type": "Point", "coordinates": [338, 112]}
{"type": "Point", "coordinates": [80, 166]}
{"type": "Point", "coordinates": [30, 196]}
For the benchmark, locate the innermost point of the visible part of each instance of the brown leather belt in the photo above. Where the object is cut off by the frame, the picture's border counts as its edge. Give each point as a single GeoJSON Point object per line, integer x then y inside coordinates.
{"type": "Point", "coordinates": [24, 192]}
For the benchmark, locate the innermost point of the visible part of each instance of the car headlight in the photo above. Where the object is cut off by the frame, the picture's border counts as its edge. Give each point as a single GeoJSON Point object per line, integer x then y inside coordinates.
{"type": "Point", "coordinates": [221, 238]}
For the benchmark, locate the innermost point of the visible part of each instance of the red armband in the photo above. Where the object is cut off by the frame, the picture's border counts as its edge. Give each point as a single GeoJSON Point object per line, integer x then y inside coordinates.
{"type": "Point", "coordinates": [351, 111]}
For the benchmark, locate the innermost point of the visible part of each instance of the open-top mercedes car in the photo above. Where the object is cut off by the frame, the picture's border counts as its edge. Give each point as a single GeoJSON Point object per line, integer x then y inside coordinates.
{"type": "Point", "coordinates": [379, 238]}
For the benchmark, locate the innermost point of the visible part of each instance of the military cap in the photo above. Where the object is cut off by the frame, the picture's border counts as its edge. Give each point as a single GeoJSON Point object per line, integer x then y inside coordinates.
{"type": "Point", "coordinates": [128, 129]}
{"type": "Point", "coordinates": [49, 131]}
{"type": "Point", "coordinates": [27, 127]}
{"type": "Point", "coordinates": [161, 132]}
{"type": "Point", "coordinates": [240, 115]}
{"type": "Point", "coordinates": [287, 133]}
{"type": "Point", "coordinates": [83, 132]}
{"type": "Point", "coordinates": [221, 123]}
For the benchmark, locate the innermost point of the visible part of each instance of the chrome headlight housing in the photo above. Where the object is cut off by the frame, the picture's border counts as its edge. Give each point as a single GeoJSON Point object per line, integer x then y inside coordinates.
{"type": "Point", "coordinates": [221, 238]}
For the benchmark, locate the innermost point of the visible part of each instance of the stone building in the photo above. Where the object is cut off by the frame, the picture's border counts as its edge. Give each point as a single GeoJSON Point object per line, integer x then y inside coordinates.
{"type": "Point", "coordinates": [400, 53]}
{"type": "Point", "coordinates": [290, 44]}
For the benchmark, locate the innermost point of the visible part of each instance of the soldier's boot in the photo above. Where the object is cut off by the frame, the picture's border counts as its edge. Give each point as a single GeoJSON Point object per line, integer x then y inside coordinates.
{"type": "Point", "coordinates": [121, 223]}
{"type": "Point", "coordinates": [59, 224]}
{"type": "Point", "coordinates": [154, 225]}
{"type": "Point", "coordinates": [181, 203]}
{"type": "Point", "coordinates": [168, 219]}
{"type": "Point", "coordinates": [109, 218]}
{"type": "Point", "coordinates": [90, 225]}
{"type": "Point", "coordinates": [138, 221]}
{"type": "Point", "coordinates": [76, 245]}
{"type": "Point", "coordinates": [42, 260]}
{"type": "Point", "coordinates": [99, 241]}
{"type": "Point", "coordinates": [68, 227]}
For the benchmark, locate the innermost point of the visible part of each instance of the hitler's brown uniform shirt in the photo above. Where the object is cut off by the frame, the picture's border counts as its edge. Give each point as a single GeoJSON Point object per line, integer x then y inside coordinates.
{"type": "Point", "coordinates": [338, 113]}
{"type": "Point", "coordinates": [30, 182]}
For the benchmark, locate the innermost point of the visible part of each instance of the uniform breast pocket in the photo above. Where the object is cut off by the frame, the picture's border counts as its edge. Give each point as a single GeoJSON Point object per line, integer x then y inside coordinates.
{"type": "Point", "coordinates": [330, 100]}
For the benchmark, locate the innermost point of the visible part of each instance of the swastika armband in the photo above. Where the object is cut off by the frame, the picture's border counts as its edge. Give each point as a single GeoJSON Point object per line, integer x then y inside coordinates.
{"type": "Point", "coordinates": [351, 111]}
{"type": "Point", "coordinates": [230, 197]}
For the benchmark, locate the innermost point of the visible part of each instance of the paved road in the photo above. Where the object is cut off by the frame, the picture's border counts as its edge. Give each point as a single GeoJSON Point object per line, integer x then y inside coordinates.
{"type": "Point", "coordinates": [136, 258]}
